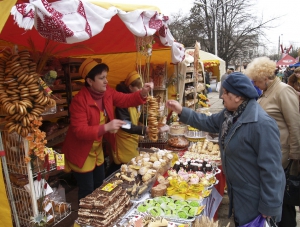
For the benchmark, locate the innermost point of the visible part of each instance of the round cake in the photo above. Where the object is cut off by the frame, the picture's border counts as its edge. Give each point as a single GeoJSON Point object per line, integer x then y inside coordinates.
{"type": "Point", "coordinates": [177, 128]}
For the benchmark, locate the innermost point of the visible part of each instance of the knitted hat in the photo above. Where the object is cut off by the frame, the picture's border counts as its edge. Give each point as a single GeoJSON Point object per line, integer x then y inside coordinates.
{"type": "Point", "coordinates": [87, 66]}
{"type": "Point", "coordinates": [131, 77]}
{"type": "Point", "coordinates": [239, 84]}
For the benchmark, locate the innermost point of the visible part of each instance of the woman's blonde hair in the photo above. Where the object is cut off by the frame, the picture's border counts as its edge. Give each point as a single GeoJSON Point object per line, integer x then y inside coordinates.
{"type": "Point", "coordinates": [260, 68]}
{"type": "Point", "coordinates": [297, 70]}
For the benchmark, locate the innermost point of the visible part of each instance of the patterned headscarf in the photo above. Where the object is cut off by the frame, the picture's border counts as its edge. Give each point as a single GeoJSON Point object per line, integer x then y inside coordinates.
{"type": "Point", "coordinates": [230, 118]}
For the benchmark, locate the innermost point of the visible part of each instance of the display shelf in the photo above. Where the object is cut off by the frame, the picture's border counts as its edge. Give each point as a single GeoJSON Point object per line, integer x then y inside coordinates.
{"type": "Point", "coordinates": [57, 114]}
{"type": "Point", "coordinates": [61, 101]}
{"type": "Point", "coordinates": [189, 80]}
{"type": "Point", "coordinates": [189, 91]}
{"type": "Point", "coordinates": [56, 141]}
{"type": "Point", "coordinates": [57, 133]}
{"type": "Point", "coordinates": [189, 103]}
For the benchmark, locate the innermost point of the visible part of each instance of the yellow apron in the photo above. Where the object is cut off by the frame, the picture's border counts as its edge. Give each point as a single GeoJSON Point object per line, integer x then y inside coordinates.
{"type": "Point", "coordinates": [127, 143]}
{"type": "Point", "coordinates": [95, 157]}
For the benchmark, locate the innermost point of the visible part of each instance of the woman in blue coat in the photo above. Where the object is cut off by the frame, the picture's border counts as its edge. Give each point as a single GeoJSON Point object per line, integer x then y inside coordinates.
{"type": "Point", "coordinates": [250, 150]}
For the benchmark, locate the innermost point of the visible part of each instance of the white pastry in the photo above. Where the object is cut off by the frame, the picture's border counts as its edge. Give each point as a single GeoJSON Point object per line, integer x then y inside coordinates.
{"type": "Point", "coordinates": [124, 168]}
{"type": "Point", "coordinates": [143, 171]}
{"type": "Point", "coordinates": [156, 164]}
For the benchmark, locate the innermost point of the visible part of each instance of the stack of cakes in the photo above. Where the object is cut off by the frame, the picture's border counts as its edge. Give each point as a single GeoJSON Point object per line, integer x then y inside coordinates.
{"type": "Point", "coordinates": [101, 208]}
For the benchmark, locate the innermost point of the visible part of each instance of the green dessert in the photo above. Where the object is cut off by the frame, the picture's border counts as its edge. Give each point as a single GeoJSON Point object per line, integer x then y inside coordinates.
{"type": "Point", "coordinates": [149, 202]}
{"type": "Point", "coordinates": [159, 200]}
{"type": "Point", "coordinates": [192, 211]}
{"type": "Point", "coordinates": [142, 208]}
{"type": "Point", "coordinates": [156, 205]}
{"type": "Point", "coordinates": [181, 202]}
{"type": "Point", "coordinates": [194, 204]}
{"type": "Point", "coordinates": [171, 205]}
{"type": "Point", "coordinates": [186, 208]}
{"type": "Point", "coordinates": [169, 212]}
{"type": "Point", "coordinates": [182, 214]}
{"type": "Point", "coordinates": [155, 211]}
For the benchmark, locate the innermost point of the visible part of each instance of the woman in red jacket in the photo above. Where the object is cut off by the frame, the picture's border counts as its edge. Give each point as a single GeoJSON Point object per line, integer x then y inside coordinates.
{"type": "Point", "coordinates": [91, 117]}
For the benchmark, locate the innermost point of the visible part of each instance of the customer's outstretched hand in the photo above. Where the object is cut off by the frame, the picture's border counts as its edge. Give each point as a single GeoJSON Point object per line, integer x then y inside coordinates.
{"type": "Point", "coordinates": [174, 106]}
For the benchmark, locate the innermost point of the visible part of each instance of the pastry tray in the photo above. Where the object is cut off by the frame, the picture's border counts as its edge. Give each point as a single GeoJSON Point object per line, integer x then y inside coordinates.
{"type": "Point", "coordinates": [115, 223]}
{"type": "Point", "coordinates": [134, 212]}
{"type": "Point", "coordinates": [137, 197]}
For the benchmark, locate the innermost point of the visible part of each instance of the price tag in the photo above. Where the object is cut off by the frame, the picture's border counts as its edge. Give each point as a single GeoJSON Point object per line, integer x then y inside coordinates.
{"type": "Point", "coordinates": [60, 161]}
{"type": "Point", "coordinates": [109, 187]}
{"type": "Point", "coordinates": [50, 153]}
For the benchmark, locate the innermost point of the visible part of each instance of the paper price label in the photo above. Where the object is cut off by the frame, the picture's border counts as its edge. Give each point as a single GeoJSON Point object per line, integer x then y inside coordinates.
{"type": "Point", "coordinates": [109, 187]}
{"type": "Point", "coordinates": [50, 153]}
{"type": "Point", "coordinates": [60, 161]}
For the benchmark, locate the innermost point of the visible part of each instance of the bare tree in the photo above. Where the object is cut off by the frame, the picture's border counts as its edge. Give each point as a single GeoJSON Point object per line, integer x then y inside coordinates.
{"type": "Point", "coordinates": [238, 29]}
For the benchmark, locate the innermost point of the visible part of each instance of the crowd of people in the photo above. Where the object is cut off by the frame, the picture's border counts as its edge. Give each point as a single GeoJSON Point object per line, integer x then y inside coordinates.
{"type": "Point", "coordinates": [258, 133]}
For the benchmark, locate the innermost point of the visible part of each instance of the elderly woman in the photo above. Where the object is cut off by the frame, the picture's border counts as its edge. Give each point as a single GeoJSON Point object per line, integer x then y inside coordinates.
{"type": "Point", "coordinates": [281, 102]}
{"type": "Point", "coordinates": [251, 162]}
{"type": "Point", "coordinates": [91, 120]}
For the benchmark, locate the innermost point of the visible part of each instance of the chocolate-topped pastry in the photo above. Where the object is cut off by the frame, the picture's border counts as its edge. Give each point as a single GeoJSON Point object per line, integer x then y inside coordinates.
{"type": "Point", "coordinates": [200, 167]}
{"type": "Point", "coordinates": [181, 164]}
{"type": "Point", "coordinates": [194, 167]}
{"type": "Point", "coordinates": [208, 168]}
{"type": "Point", "coordinates": [188, 160]}
{"type": "Point", "coordinates": [176, 166]}
{"type": "Point", "coordinates": [185, 165]}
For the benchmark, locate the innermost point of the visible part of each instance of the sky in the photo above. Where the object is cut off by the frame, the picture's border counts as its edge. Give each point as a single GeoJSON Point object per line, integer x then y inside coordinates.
{"type": "Point", "coordinates": [285, 28]}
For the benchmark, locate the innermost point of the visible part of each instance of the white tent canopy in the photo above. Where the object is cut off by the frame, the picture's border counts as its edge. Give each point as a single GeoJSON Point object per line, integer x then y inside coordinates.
{"type": "Point", "coordinates": [205, 56]}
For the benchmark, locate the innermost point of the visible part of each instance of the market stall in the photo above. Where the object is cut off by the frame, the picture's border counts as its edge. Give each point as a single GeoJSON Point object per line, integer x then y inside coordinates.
{"type": "Point", "coordinates": [89, 45]}
{"type": "Point", "coordinates": [117, 53]}
{"type": "Point", "coordinates": [211, 62]}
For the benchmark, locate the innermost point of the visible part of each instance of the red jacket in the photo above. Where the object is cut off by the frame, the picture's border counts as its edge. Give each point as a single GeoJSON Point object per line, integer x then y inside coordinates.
{"type": "Point", "coordinates": [85, 118]}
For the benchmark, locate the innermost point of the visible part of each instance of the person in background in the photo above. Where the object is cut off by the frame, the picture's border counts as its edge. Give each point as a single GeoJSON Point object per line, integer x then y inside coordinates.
{"type": "Point", "coordinates": [223, 77]}
{"type": "Point", "coordinates": [91, 120]}
{"type": "Point", "coordinates": [294, 80]}
{"type": "Point", "coordinates": [279, 74]}
{"type": "Point", "coordinates": [281, 102]}
{"type": "Point", "coordinates": [287, 74]}
{"type": "Point", "coordinates": [207, 81]}
{"type": "Point", "coordinates": [250, 149]}
{"type": "Point", "coordinates": [127, 139]}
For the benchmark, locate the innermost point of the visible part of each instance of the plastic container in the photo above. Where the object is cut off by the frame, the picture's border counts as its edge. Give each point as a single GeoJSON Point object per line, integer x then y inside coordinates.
{"type": "Point", "coordinates": [177, 128]}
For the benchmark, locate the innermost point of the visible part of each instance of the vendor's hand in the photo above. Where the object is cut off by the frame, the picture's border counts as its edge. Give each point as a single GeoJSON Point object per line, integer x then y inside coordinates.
{"type": "Point", "coordinates": [146, 88]}
{"type": "Point", "coordinates": [174, 106]}
{"type": "Point", "coordinates": [164, 128]}
{"type": "Point", "coordinates": [113, 125]}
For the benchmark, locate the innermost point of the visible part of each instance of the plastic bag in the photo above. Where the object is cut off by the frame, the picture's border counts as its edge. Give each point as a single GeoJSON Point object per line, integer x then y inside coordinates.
{"type": "Point", "coordinates": [218, 86]}
{"type": "Point", "coordinates": [259, 221]}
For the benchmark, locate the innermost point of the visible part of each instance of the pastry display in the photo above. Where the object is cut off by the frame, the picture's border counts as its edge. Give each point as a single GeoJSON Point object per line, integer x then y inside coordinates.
{"type": "Point", "coordinates": [103, 206]}
{"type": "Point", "coordinates": [138, 176]}
{"type": "Point", "coordinates": [168, 207]}
{"type": "Point", "coordinates": [178, 128]}
{"type": "Point", "coordinates": [152, 118]}
{"type": "Point", "coordinates": [205, 147]}
{"type": "Point", "coordinates": [158, 190]}
{"type": "Point", "coordinates": [178, 142]}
